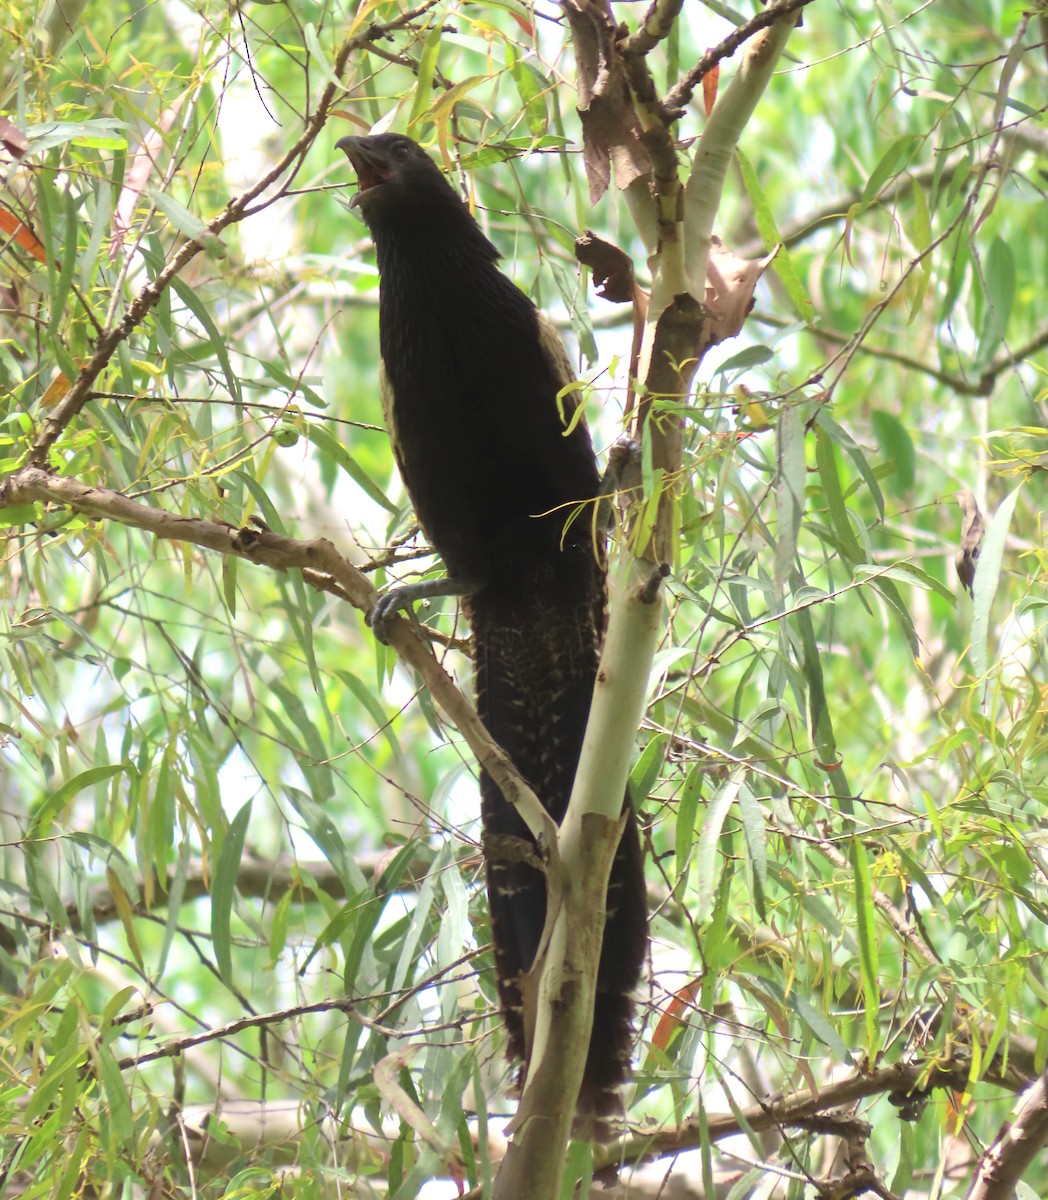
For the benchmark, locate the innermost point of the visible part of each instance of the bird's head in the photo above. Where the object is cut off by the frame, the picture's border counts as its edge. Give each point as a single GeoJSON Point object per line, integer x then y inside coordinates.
{"type": "Point", "coordinates": [392, 170]}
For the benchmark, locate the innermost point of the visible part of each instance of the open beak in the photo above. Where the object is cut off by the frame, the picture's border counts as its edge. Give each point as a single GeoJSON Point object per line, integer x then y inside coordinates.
{"type": "Point", "coordinates": [371, 165]}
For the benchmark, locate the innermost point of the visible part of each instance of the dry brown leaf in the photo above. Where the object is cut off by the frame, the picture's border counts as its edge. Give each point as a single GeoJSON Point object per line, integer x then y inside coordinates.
{"type": "Point", "coordinates": [971, 539]}
{"type": "Point", "coordinates": [730, 283]}
{"type": "Point", "coordinates": [12, 138]}
{"type": "Point", "coordinates": [56, 389]}
{"type": "Point", "coordinates": [611, 133]}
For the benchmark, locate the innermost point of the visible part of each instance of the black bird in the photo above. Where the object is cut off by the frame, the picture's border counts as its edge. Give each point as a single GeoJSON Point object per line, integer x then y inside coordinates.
{"type": "Point", "coordinates": [506, 494]}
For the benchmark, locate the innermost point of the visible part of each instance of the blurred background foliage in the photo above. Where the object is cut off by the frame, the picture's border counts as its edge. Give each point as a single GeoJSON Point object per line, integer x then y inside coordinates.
{"type": "Point", "coordinates": [220, 799]}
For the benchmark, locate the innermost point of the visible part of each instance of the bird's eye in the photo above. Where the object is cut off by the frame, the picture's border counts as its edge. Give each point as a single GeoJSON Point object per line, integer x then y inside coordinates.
{"type": "Point", "coordinates": [401, 150]}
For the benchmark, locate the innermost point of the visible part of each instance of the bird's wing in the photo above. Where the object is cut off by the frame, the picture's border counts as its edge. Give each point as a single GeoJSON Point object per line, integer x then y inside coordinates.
{"type": "Point", "coordinates": [553, 347]}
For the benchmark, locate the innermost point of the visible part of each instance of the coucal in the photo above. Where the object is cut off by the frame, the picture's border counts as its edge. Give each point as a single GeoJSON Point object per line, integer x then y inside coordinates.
{"type": "Point", "coordinates": [506, 494]}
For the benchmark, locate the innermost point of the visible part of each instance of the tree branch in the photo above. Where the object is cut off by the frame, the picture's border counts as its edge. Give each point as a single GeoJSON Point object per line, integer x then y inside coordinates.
{"type": "Point", "coordinates": [681, 93]}
{"type": "Point", "coordinates": [239, 207]}
{"type": "Point", "coordinates": [1017, 1145]}
{"type": "Point", "coordinates": [324, 568]}
{"type": "Point", "coordinates": [798, 1109]}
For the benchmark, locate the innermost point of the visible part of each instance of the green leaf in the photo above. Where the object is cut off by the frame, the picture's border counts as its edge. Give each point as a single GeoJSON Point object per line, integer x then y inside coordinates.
{"type": "Point", "coordinates": [42, 815]}
{"type": "Point", "coordinates": [319, 59]}
{"type": "Point", "coordinates": [100, 133]}
{"type": "Point", "coordinates": [897, 446]}
{"type": "Point", "coordinates": [782, 264]}
{"type": "Point", "coordinates": [217, 342]}
{"type": "Point", "coordinates": [869, 967]}
{"type": "Point", "coordinates": [756, 839]}
{"type": "Point", "coordinates": [999, 283]}
{"type": "Point", "coordinates": [514, 147]}
{"type": "Point", "coordinates": [987, 578]}
{"type": "Point", "coordinates": [646, 772]}
{"type": "Point", "coordinates": [819, 1026]}
{"type": "Point", "coordinates": [892, 161]}
{"type": "Point", "coordinates": [851, 448]}
{"type": "Point", "coordinates": [427, 66]}
{"type": "Point", "coordinates": [790, 481]}
{"type": "Point", "coordinates": [826, 461]}
{"type": "Point", "coordinates": [368, 700]}
{"type": "Point", "coordinates": [687, 810]}
{"type": "Point", "coordinates": [329, 445]}
{"type": "Point", "coordinates": [224, 889]}
{"type": "Point", "coordinates": [187, 222]}
{"type": "Point", "coordinates": [745, 360]}
{"type": "Point", "coordinates": [532, 88]}
{"type": "Point", "coordinates": [708, 864]}
{"type": "Point", "coordinates": [119, 1123]}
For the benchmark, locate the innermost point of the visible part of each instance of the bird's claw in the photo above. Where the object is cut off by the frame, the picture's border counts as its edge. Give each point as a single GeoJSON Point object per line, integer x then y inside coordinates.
{"type": "Point", "coordinates": [386, 607]}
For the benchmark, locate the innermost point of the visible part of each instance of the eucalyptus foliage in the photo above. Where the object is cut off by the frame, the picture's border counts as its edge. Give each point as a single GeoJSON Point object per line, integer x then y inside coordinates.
{"type": "Point", "coordinates": [243, 937]}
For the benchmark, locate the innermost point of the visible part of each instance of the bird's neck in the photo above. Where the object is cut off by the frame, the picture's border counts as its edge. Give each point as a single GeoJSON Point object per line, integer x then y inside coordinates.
{"type": "Point", "coordinates": [440, 243]}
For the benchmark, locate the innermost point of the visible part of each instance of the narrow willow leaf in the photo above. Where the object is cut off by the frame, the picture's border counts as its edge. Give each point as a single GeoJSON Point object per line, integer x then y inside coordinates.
{"type": "Point", "coordinates": [419, 918]}
{"type": "Point", "coordinates": [826, 461]}
{"type": "Point", "coordinates": [70, 1179]}
{"type": "Point", "coordinates": [897, 446]}
{"type": "Point", "coordinates": [987, 578]}
{"type": "Point", "coordinates": [820, 719]}
{"type": "Point", "coordinates": [218, 343]}
{"type": "Point", "coordinates": [852, 449]}
{"type": "Point", "coordinates": [62, 281]}
{"type": "Point", "coordinates": [913, 573]}
{"type": "Point", "coordinates": [329, 445]}
{"type": "Point", "coordinates": [903, 1176]}
{"type": "Point", "coordinates": [427, 66]}
{"type": "Point", "coordinates": [174, 902]}
{"type": "Point", "coordinates": [789, 493]}
{"type": "Point", "coordinates": [187, 222]}
{"type": "Point", "coordinates": [783, 263]}
{"type": "Point", "coordinates": [892, 161]}
{"type": "Point", "coordinates": [819, 1026]}
{"type": "Point", "coordinates": [321, 828]}
{"type": "Point", "coordinates": [224, 888]}
{"type": "Point", "coordinates": [532, 89]}
{"type": "Point", "coordinates": [646, 772]}
{"type": "Point", "coordinates": [577, 1179]}
{"type": "Point", "coordinates": [42, 816]}
{"type": "Point", "coordinates": [229, 583]}
{"type": "Point", "coordinates": [686, 811]}
{"type": "Point", "coordinates": [119, 1124]}
{"type": "Point", "coordinates": [756, 839]}
{"type": "Point", "coordinates": [920, 237]}
{"type": "Point", "coordinates": [581, 324]}
{"type": "Point", "coordinates": [318, 58]}
{"type": "Point", "coordinates": [125, 913]}
{"type": "Point", "coordinates": [752, 356]}
{"type": "Point", "coordinates": [869, 969]}
{"type": "Point", "coordinates": [374, 708]}
{"type": "Point", "coordinates": [708, 862]}
{"type": "Point", "coordinates": [100, 132]}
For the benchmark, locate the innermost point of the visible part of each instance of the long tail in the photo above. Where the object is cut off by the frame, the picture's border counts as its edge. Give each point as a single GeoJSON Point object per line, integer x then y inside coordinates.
{"type": "Point", "coordinates": [536, 654]}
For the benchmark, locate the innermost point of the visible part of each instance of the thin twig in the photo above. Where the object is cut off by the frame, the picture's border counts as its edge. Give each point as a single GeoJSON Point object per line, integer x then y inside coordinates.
{"type": "Point", "coordinates": [237, 208]}
{"type": "Point", "coordinates": [681, 93]}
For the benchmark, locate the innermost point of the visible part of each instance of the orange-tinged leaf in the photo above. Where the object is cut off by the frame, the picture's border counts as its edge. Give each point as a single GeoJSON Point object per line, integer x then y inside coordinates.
{"type": "Point", "coordinates": [682, 1000]}
{"type": "Point", "coordinates": [56, 389]}
{"type": "Point", "coordinates": [709, 88]}
{"type": "Point", "coordinates": [22, 234]}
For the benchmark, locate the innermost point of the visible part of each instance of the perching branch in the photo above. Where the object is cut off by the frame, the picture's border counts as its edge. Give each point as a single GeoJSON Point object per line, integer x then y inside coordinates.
{"type": "Point", "coordinates": [324, 568]}
{"type": "Point", "coordinates": [796, 1110]}
{"type": "Point", "coordinates": [1017, 1145]}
